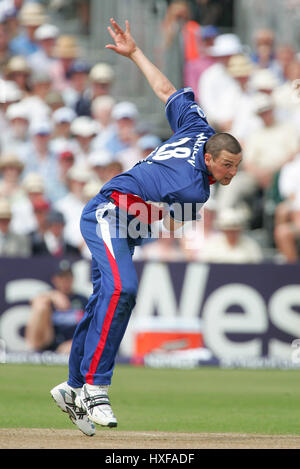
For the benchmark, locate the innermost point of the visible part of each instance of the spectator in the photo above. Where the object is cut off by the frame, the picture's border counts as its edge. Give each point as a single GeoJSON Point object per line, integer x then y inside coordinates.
{"type": "Point", "coordinates": [78, 73]}
{"type": "Point", "coordinates": [194, 68]}
{"type": "Point", "coordinates": [35, 102]}
{"type": "Point", "coordinates": [23, 218]}
{"type": "Point", "coordinates": [84, 129]}
{"type": "Point", "coordinates": [18, 70]}
{"type": "Point", "coordinates": [11, 244]}
{"type": "Point", "coordinates": [54, 242]}
{"type": "Point", "coordinates": [101, 112]}
{"type": "Point", "coordinates": [32, 15]}
{"type": "Point", "coordinates": [11, 168]}
{"type": "Point", "coordinates": [45, 36]}
{"type": "Point", "coordinates": [16, 138]}
{"type": "Point", "coordinates": [66, 51]}
{"type": "Point", "coordinates": [72, 204]}
{"type": "Point", "coordinates": [55, 314]}
{"type": "Point", "coordinates": [99, 164]}
{"type": "Point", "coordinates": [263, 55]}
{"type": "Point", "coordinates": [268, 148]}
{"type": "Point", "coordinates": [143, 147]}
{"type": "Point", "coordinates": [61, 136]}
{"type": "Point", "coordinates": [4, 49]}
{"type": "Point", "coordinates": [125, 115]}
{"type": "Point", "coordinates": [39, 157]}
{"type": "Point", "coordinates": [41, 209]}
{"type": "Point", "coordinates": [216, 85]}
{"type": "Point", "coordinates": [101, 78]}
{"type": "Point", "coordinates": [244, 119]}
{"type": "Point", "coordinates": [285, 54]}
{"type": "Point", "coordinates": [287, 212]}
{"type": "Point", "coordinates": [231, 244]}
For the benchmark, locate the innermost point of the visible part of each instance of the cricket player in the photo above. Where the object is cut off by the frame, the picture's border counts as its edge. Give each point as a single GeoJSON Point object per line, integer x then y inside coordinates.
{"type": "Point", "coordinates": [178, 173]}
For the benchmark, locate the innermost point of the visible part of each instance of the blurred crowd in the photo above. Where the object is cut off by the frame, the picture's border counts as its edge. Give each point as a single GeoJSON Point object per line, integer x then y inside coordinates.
{"type": "Point", "coordinates": [64, 134]}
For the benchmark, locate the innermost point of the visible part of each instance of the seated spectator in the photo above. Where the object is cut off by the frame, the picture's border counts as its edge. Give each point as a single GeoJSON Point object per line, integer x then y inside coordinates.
{"type": "Point", "coordinates": [55, 314]}
{"type": "Point", "coordinates": [72, 204]}
{"type": "Point", "coordinates": [45, 37]}
{"type": "Point", "coordinates": [11, 243]}
{"type": "Point", "coordinates": [194, 68]}
{"type": "Point", "coordinates": [11, 168]}
{"type": "Point", "coordinates": [18, 70]}
{"type": "Point", "coordinates": [124, 115]}
{"type": "Point", "coordinates": [268, 148]}
{"type": "Point", "coordinates": [41, 209]}
{"type": "Point", "coordinates": [244, 119]}
{"type": "Point", "coordinates": [98, 163]}
{"type": "Point", "coordinates": [78, 76]}
{"type": "Point", "coordinates": [286, 96]}
{"type": "Point", "coordinates": [263, 55]}
{"type": "Point", "coordinates": [263, 80]}
{"type": "Point", "coordinates": [216, 85]}
{"type": "Point", "coordinates": [35, 102]}
{"type": "Point", "coordinates": [4, 48]}
{"type": "Point", "coordinates": [143, 147]}
{"type": "Point", "coordinates": [101, 112]}
{"type": "Point", "coordinates": [66, 51]}
{"type": "Point", "coordinates": [15, 139]}
{"type": "Point", "coordinates": [39, 157]}
{"type": "Point", "coordinates": [287, 212]}
{"type": "Point", "coordinates": [61, 138]}
{"type": "Point", "coordinates": [265, 151]}
{"type": "Point", "coordinates": [285, 54]}
{"type": "Point", "coordinates": [101, 79]}
{"type": "Point", "coordinates": [54, 242]}
{"type": "Point", "coordinates": [83, 130]}
{"type": "Point", "coordinates": [23, 217]}
{"type": "Point", "coordinates": [32, 15]}
{"type": "Point", "coordinates": [231, 244]}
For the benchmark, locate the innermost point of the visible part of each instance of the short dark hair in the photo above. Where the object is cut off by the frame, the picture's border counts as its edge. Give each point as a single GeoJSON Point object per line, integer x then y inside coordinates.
{"type": "Point", "coordinates": [222, 141]}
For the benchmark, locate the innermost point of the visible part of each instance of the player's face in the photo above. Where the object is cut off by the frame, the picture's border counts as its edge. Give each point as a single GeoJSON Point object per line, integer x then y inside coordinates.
{"type": "Point", "coordinates": [225, 167]}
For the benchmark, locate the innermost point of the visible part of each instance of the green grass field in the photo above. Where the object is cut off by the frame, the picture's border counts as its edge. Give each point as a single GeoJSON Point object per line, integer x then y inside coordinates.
{"type": "Point", "coordinates": [144, 399]}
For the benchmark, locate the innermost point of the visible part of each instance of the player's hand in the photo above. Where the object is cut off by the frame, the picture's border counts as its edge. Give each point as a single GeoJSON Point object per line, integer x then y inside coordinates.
{"type": "Point", "coordinates": [124, 42]}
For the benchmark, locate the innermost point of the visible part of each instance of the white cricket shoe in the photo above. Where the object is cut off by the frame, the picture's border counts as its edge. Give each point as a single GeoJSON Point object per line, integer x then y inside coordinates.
{"type": "Point", "coordinates": [64, 396]}
{"type": "Point", "coordinates": [94, 399]}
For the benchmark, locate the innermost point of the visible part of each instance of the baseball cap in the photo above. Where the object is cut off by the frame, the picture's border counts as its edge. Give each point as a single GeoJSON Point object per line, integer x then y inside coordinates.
{"type": "Point", "coordinates": [102, 73]}
{"type": "Point", "coordinates": [100, 158]}
{"type": "Point", "coordinates": [33, 183]}
{"type": "Point", "coordinates": [64, 267]}
{"type": "Point", "coordinates": [226, 44]}
{"type": "Point", "coordinates": [17, 111]}
{"type": "Point", "coordinates": [264, 79]}
{"type": "Point", "coordinates": [40, 128]}
{"type": "Point", "coordinates": [148, 142]}
{"type": "Point", "coordinates": [209, 31]}
{"type": "Point", "coordinates": [54, 216]}
{"type": "Point", "coordinates": [64, 114]}
{"type": "Point", "coordinates": [40, 205]}
{"type": "Point", "coordinates": [78, 173]}
{"type": "Point", "coordinates": [67, 155]}
{"type": "Point", "coordinates": [239, 66]}
{"type": "Point", "coordinates": [230, 219]}
{"type": "Point", "coordinates": [79, 66]}
{"type": "Point", "coordinates": [84, 126]}
{"type": "Point", "coordinates": [262, 102]}
{"type": "Point", "coordinates": [124, 110]}
{"type": "Point", "coordinates": [46, 31]}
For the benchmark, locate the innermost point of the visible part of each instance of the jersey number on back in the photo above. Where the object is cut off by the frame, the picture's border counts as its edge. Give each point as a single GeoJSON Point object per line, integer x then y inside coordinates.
{"type": "Point", "coordinates": [173, 150]}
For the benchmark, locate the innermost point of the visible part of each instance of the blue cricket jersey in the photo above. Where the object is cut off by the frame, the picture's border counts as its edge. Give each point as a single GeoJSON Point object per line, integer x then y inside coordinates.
{"type": "Point", "coordinates": [175, 172]}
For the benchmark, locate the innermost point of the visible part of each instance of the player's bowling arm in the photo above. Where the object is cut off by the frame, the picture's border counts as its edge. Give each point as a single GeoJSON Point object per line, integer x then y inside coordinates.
{"type": "Point", "coordinates": [124, 44]}
{"type": "Point", "coordinates": [159, 83]}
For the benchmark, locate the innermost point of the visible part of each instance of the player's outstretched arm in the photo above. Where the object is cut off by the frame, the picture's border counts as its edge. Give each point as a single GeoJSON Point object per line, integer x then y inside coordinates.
{"type": "Point", "coordinates": [125, 45]}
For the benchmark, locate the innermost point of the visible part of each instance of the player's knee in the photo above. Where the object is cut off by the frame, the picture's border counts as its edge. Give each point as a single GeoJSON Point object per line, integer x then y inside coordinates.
{"type": "Point", "coordinates": [128, 292]}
